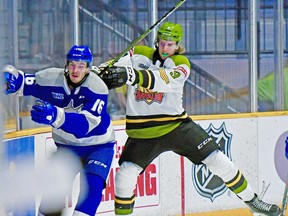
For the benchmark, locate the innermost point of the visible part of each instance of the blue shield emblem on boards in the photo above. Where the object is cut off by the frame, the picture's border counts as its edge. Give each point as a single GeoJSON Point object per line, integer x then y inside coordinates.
{"type": "Point", "coordinates": [206, 183]}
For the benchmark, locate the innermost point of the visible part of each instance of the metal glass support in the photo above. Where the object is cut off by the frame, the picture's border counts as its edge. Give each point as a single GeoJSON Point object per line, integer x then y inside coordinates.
{"type": "Point", "coordinates": [278, 56]}
{"type": "Point", "coordinates": [75, 14]}
{"type": "Point", "coordinates": [153, 10]}
{"type": "Point", "coordinates": [15, 55]}
{"type": "Point", "coordinates": [253, 54]}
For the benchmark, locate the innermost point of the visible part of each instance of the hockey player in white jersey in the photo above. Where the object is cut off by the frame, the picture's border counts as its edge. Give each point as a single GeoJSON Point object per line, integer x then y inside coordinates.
{"type": "Point", "coordinates": [157, 122]}
{"type": "Point", "coordinates": [73, 101]}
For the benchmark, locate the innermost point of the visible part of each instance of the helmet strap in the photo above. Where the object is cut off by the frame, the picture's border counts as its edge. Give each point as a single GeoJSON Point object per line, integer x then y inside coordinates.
{"type": "Point", "coordinates": [156, 42]}
{"type": "Point", "coordinates": [157, 57]}
{"type": "Point", "coordinates": [66, 71]}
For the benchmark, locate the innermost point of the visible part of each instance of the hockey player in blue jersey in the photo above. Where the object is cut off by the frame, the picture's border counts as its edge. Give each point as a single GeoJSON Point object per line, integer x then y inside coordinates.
{"type": "Point", "coordinates": [73, 101]}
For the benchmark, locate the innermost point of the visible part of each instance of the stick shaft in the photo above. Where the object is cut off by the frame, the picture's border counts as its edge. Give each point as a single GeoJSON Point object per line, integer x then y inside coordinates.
{"type": "Point", "coordinates": [285, 199]}
{"type": "Point", "coordinates": [142, 36]}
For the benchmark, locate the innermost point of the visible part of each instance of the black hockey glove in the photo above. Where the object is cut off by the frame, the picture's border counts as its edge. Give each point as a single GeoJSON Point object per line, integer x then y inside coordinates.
{"type": "Point", "coordinates": [118, 76]}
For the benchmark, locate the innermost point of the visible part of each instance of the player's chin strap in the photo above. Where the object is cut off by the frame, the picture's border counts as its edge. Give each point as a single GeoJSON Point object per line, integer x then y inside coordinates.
{"type": "Point", "coordinates": [74, 85]}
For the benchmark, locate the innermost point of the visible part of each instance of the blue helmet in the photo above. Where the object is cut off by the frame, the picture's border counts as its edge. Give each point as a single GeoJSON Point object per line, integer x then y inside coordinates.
{"type": "Point", "coordinates": [80, 53]}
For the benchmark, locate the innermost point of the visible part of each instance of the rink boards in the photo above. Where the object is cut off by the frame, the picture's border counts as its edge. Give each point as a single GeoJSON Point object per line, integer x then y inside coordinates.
{"type": "Point", "coordinates": [172, 185]}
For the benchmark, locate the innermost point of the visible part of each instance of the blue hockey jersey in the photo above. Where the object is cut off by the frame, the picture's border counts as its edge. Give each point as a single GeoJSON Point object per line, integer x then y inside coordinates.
{"type": "Point", "coordinates": [86, 119]}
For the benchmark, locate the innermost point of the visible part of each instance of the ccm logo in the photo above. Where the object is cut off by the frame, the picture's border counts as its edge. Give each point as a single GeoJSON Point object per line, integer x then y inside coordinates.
{"type": "Point", "coordinates": [204, 142]}
{"type": "Point", "coordinates": [97, 163]}
{"type": "Point", "coordinates": [130, 74]}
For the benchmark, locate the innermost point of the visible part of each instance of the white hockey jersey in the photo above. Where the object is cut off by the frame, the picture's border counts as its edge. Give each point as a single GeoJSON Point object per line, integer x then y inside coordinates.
{"type": "Point", "coordinates": [158, 108]}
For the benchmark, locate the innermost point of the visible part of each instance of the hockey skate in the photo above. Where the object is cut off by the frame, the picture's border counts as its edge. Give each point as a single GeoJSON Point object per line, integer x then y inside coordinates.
{"type": "Point", "coordinates": [258, 206]}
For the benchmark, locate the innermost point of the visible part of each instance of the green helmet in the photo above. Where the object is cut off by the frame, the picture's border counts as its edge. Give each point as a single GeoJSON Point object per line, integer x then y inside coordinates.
{"type": "Point", "coordinates": [170, 31]}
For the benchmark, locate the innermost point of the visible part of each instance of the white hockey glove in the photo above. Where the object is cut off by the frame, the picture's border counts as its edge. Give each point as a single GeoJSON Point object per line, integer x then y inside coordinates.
{"type": "Point", "coordinates": [13, 79]}
{"type": "Point", "coordinates": [117, 76]}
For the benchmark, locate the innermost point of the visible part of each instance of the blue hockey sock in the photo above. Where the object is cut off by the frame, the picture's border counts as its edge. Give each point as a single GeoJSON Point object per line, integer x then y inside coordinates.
{"type": "Point", "coordinates": [90, 203]}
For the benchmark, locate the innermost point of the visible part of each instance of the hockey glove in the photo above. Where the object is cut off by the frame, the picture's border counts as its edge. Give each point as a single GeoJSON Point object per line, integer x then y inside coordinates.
{"type": "Point", "coordinates": [117, 76]}
{"type": "Point", "coordinates": [95, 69]}
{"type": "Point", "coordinates": [45, 113]}
{"type": "Point", "coordinates": [13, 79]}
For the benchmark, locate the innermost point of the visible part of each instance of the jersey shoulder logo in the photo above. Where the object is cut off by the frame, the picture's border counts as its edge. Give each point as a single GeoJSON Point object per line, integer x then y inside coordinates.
{"type": "Point", "coordinates": [182, 69]}
{"type": "Point", "coordinates": [206, 183]}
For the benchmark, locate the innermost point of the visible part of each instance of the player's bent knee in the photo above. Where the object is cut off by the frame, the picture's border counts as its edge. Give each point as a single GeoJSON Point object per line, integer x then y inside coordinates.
{"type": "Point", "coordinates": [220, 165]}
{"type": "Point", "coordinates": [126, 179]}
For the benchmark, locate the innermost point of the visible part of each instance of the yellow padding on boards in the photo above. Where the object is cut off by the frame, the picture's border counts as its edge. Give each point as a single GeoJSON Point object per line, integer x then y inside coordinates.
{"type": "Point", "coordinates": [33, 131]}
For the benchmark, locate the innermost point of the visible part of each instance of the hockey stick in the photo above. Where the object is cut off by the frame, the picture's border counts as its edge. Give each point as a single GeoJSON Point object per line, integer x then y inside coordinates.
{"type": "Point", "coordinates": [264, 190]}
{"type": "Point", "coordinates": [136, 41]}
{"type": "Point", "coordinates": [285, 198]}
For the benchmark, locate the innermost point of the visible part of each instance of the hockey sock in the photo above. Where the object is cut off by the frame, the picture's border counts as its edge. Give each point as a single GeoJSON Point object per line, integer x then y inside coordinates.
{"type": "Point", "coordinates": [93, 196]}
{"type": "Point", "coordinates": [126, 179]}
{"type": "Point", "coordinates": [240, 186]}
{"type": "Point", "coordinates": [220, 165]}
{"type": "Point", "coordinates": [125, 182]}
{"type": "Point", "coordinates": [124, 206]}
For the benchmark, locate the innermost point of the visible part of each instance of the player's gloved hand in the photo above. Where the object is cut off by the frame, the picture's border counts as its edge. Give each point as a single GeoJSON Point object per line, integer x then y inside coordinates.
{"type": "Point", "coordinates": [45, 113]}
{"type": "Point", "coordinates": [117, 76]}
{"type": "Point", "coordinates": [13, 79]}
{"type": "Point", "coordinates": [95, 70]}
